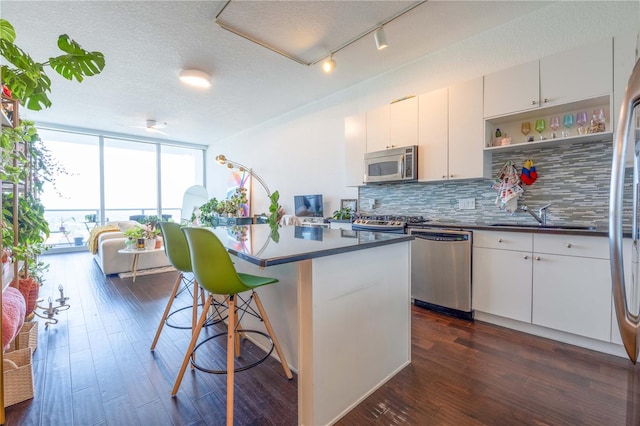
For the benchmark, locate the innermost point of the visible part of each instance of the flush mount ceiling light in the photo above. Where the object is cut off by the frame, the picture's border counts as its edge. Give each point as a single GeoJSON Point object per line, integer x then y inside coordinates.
{"type": "Point", "coordinates": [195, 78]}
{"type": "Point", "coordinates": [329, 64]}
{"type": "Point", "coordinates": [380, 38]}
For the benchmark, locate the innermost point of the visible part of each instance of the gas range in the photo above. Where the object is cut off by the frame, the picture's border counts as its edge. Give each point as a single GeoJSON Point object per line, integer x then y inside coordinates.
{"type": "Point", "coordinates": [386, 223]}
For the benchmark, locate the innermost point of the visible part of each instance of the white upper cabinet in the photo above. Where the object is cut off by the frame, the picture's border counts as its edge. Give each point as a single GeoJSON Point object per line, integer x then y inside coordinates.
{"type": "Point", "coordinates": [466, 160]}
{"type": "Point", "coordinates": [378, 128]}
{"type": "Point", "coordinates": [513, 89]}
{"type": "Point", "coordinates": [433, 135]}
{"type": "Point", "coordinates": [393, 125]}
{"type": "Point", "coordinates": [450, 144]}
{"type": "Point", "coordinates": [403, 122]}
{"type": "Point", "coordinates": [577, 74]}
{"type": "Point", "coordinates": [355, 141]}
{"type": "Point", "coordinates": [581, 73]}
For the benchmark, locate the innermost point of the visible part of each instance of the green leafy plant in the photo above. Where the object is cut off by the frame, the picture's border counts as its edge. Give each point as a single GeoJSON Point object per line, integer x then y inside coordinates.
{"type": "Point", "coordinates": [275, 213]}
{"type": "Point", "coordinates": [233, 205]}
{"type": "Point", "coordinates": [207, 212]}
{"type": "Point", "coordinates": [27, 79]}
{"type": "Point", "coordinates": [33, 228]}
{"type": "Point", "coordinates": [344, 213]}
{"type": "Point", "coordinates": [134, 233]}
{"type": "Point", "coordinates": [151, 231]}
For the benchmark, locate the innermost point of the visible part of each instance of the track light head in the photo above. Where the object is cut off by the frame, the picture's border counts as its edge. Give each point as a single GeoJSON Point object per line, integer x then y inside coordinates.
{"type": "Point", "coordinates": [329, 64]}
{"type": "Point", "coordinates": [381, 38]}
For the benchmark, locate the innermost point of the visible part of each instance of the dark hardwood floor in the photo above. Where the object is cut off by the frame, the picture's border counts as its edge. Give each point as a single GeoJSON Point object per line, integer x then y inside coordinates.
{"type": "Point", "coordinates": [94, 368]}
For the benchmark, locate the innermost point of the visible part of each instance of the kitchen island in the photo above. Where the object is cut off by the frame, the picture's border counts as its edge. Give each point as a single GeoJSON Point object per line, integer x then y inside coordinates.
{"type": "Point", "coordinates": [341, 310]}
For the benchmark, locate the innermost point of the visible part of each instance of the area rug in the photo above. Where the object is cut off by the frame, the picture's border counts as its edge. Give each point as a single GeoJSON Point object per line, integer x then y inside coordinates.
{"type": "Point", "coordinates": [150, 271]}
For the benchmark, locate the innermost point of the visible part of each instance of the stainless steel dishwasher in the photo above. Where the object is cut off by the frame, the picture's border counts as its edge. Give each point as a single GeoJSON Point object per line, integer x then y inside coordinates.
{"type": "Point", "coordinates": [441, 270]}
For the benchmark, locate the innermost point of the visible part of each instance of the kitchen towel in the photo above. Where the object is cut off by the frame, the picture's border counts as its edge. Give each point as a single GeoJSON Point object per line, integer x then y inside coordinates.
{"type": "Point", "coordinates": [508, 186]}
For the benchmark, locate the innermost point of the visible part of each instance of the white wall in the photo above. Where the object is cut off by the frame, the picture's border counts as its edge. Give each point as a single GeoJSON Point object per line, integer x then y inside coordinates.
{"type": "Point", "coordinates": [303, 152]}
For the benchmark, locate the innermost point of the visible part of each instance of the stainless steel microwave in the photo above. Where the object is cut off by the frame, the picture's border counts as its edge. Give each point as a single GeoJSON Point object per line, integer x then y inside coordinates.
{"type": "Point", "coordinates": [391, 165]}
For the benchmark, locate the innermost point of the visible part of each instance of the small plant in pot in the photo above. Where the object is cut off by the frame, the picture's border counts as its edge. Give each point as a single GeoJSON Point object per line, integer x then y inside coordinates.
{"type": "Point", "coordinates": [151, 236]}
{"type": "Point", "coordinates": [344, 213]}
{"type": "Point", "coordinates": [132, 236]}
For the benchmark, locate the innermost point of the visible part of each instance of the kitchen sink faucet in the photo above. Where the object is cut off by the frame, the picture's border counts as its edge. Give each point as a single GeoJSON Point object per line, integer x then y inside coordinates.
{"type": "Point", "coordinates": [541, 217]}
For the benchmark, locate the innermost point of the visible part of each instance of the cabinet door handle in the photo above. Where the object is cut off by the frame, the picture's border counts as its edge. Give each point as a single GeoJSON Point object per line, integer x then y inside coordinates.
{"type": "Point", "coordinates": [538, 258]}
{"type": "Point", "coordinates": [569, 245]}
{"type": "Point", "coordinates": [450, 175]}
{"type": "Point", "coordinates": [390, 146]}
{"type": "Point", "coordinates": [444, 176]}
{"type": "Point", "coordinates": [526, 257]}
{"type": "Point", "coordinates": [546, 100]}
{"type": "Point", "coordinates": [499, 240]}
{"type": "Point", "coordinates": [534, 102]}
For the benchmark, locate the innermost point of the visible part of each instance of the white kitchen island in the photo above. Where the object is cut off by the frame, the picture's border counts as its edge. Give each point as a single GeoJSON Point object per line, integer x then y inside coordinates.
{"type": "Point", "coordinates": [341, 310]}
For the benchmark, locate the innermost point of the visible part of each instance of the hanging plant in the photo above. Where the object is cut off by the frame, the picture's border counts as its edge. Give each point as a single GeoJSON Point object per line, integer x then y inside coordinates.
{"type": "Point", "coordinates": [33, 228]}
{"type": "Point", "coordinates": [27, 80]}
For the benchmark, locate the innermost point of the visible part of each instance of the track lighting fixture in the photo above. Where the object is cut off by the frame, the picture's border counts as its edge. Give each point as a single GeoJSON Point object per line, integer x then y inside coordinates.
{"type": "Point", "coordinates": [380, 38]}
{"type": "Point", "coordinates": [196, 78]}
{"type": "Point", "coordinates": [329, 64]}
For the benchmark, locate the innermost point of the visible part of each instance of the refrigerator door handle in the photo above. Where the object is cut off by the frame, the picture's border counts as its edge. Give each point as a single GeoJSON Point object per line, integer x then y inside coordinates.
{"type": "Point", "coordinates": [628, 322]}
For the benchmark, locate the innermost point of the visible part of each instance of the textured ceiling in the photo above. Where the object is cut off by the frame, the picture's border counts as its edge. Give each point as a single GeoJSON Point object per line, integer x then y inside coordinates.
{"type": "Point", "coordinates": [147, 43]}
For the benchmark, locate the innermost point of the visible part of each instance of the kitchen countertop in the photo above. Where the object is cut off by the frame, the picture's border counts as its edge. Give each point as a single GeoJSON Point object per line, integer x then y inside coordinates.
{"type": "Point", "coordinates": [254, 244]}
{"type": "Point", "coordinates": [515, 227]}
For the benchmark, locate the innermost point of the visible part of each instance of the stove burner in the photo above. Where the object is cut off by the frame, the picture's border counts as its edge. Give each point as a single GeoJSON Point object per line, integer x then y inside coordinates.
{"type": "Point", "coordinates": [388, 221]}
{"type": "Point", "coordinates": [394, 218]}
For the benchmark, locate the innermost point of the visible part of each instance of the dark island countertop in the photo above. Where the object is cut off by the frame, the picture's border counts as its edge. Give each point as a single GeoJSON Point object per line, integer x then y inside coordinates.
{"type": "Point", "coordinates": [255, 244]}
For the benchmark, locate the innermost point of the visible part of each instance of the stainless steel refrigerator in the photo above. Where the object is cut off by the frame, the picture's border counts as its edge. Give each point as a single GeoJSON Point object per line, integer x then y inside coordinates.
{"type": "Point", "coordinates": [625, 295]}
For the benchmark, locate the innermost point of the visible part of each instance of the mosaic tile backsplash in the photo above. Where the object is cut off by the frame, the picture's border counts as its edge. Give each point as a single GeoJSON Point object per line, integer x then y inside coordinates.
{"type": "Point", "coordinates": [574, 178]}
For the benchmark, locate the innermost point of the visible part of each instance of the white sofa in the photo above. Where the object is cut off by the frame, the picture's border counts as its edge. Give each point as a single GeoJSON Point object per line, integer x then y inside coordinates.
{"type": "Point", "coordinates": [112, 262]}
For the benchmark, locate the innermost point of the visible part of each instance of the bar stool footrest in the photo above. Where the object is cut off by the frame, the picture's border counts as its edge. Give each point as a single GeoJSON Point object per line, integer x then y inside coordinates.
{"type": "Point", "coordinates": [213, 319]}
{"type": "Point", "coordinates": [241, 368]}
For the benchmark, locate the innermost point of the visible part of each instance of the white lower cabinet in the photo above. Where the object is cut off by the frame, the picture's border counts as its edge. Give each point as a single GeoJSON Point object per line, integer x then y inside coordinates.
{"type": "Point", "coordinates": [502, 274]}
{"type": "Point", "coordinates": [502, 283]}
{"type": "Point", "coordinates": [572, 285]}
{"type": "Point", "coordinates": [563, 282]}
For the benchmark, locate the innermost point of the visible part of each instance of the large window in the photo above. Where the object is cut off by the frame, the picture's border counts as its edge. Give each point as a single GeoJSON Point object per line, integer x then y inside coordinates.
{"type": "Point", "coordinates": [130, 178]}
{"type": "Point", "coordinates": [181, 167]}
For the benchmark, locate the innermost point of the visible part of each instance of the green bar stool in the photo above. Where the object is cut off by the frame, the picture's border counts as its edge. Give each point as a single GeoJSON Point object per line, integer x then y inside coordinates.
{"type": "Point", "coordinates": [215, 272]}
{"type": "Point", "coordinates": [177, 251]}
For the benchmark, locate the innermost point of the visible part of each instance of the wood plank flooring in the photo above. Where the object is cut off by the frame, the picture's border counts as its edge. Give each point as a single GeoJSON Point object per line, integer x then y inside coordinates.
{"type": "Point", "coordinates": [95, 368]}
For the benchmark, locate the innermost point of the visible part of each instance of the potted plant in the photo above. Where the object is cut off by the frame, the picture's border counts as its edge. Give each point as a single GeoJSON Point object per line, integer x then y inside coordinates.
{"type": "Point", "coordinates": [151, 234]}
{"type": "Point", "coordinates": [344, 213]}
{"type": "Point", "coordinates": [133, 235]}
{"type": "Point", "coordinates": [207, 212]}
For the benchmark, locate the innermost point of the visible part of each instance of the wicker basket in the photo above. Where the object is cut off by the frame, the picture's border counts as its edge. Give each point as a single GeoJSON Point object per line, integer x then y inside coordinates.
{"type": "Point", "coordinates": [18, 376]}
{"type": "Point", "coordinates": [26, 338]}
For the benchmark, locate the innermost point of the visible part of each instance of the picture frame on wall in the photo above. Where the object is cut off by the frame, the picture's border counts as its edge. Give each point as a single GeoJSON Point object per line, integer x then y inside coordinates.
{"type": "Point", "coordinates": [351, 203]}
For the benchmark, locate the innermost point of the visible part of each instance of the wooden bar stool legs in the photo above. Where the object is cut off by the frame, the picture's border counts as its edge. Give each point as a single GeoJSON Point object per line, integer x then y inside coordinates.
{"type": "Point", "coordinates": [174, 292]}
{"type": "Point", "coordinates": [167, 309]}
{"type": "Point", "coordinates": [233, 335]}
{"type": "Point", "coordinates": [267, 325]}
{"type": "Point", "coordinates": [230, 357]}
{"type": "Point", "coordinates": [192, 344]}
